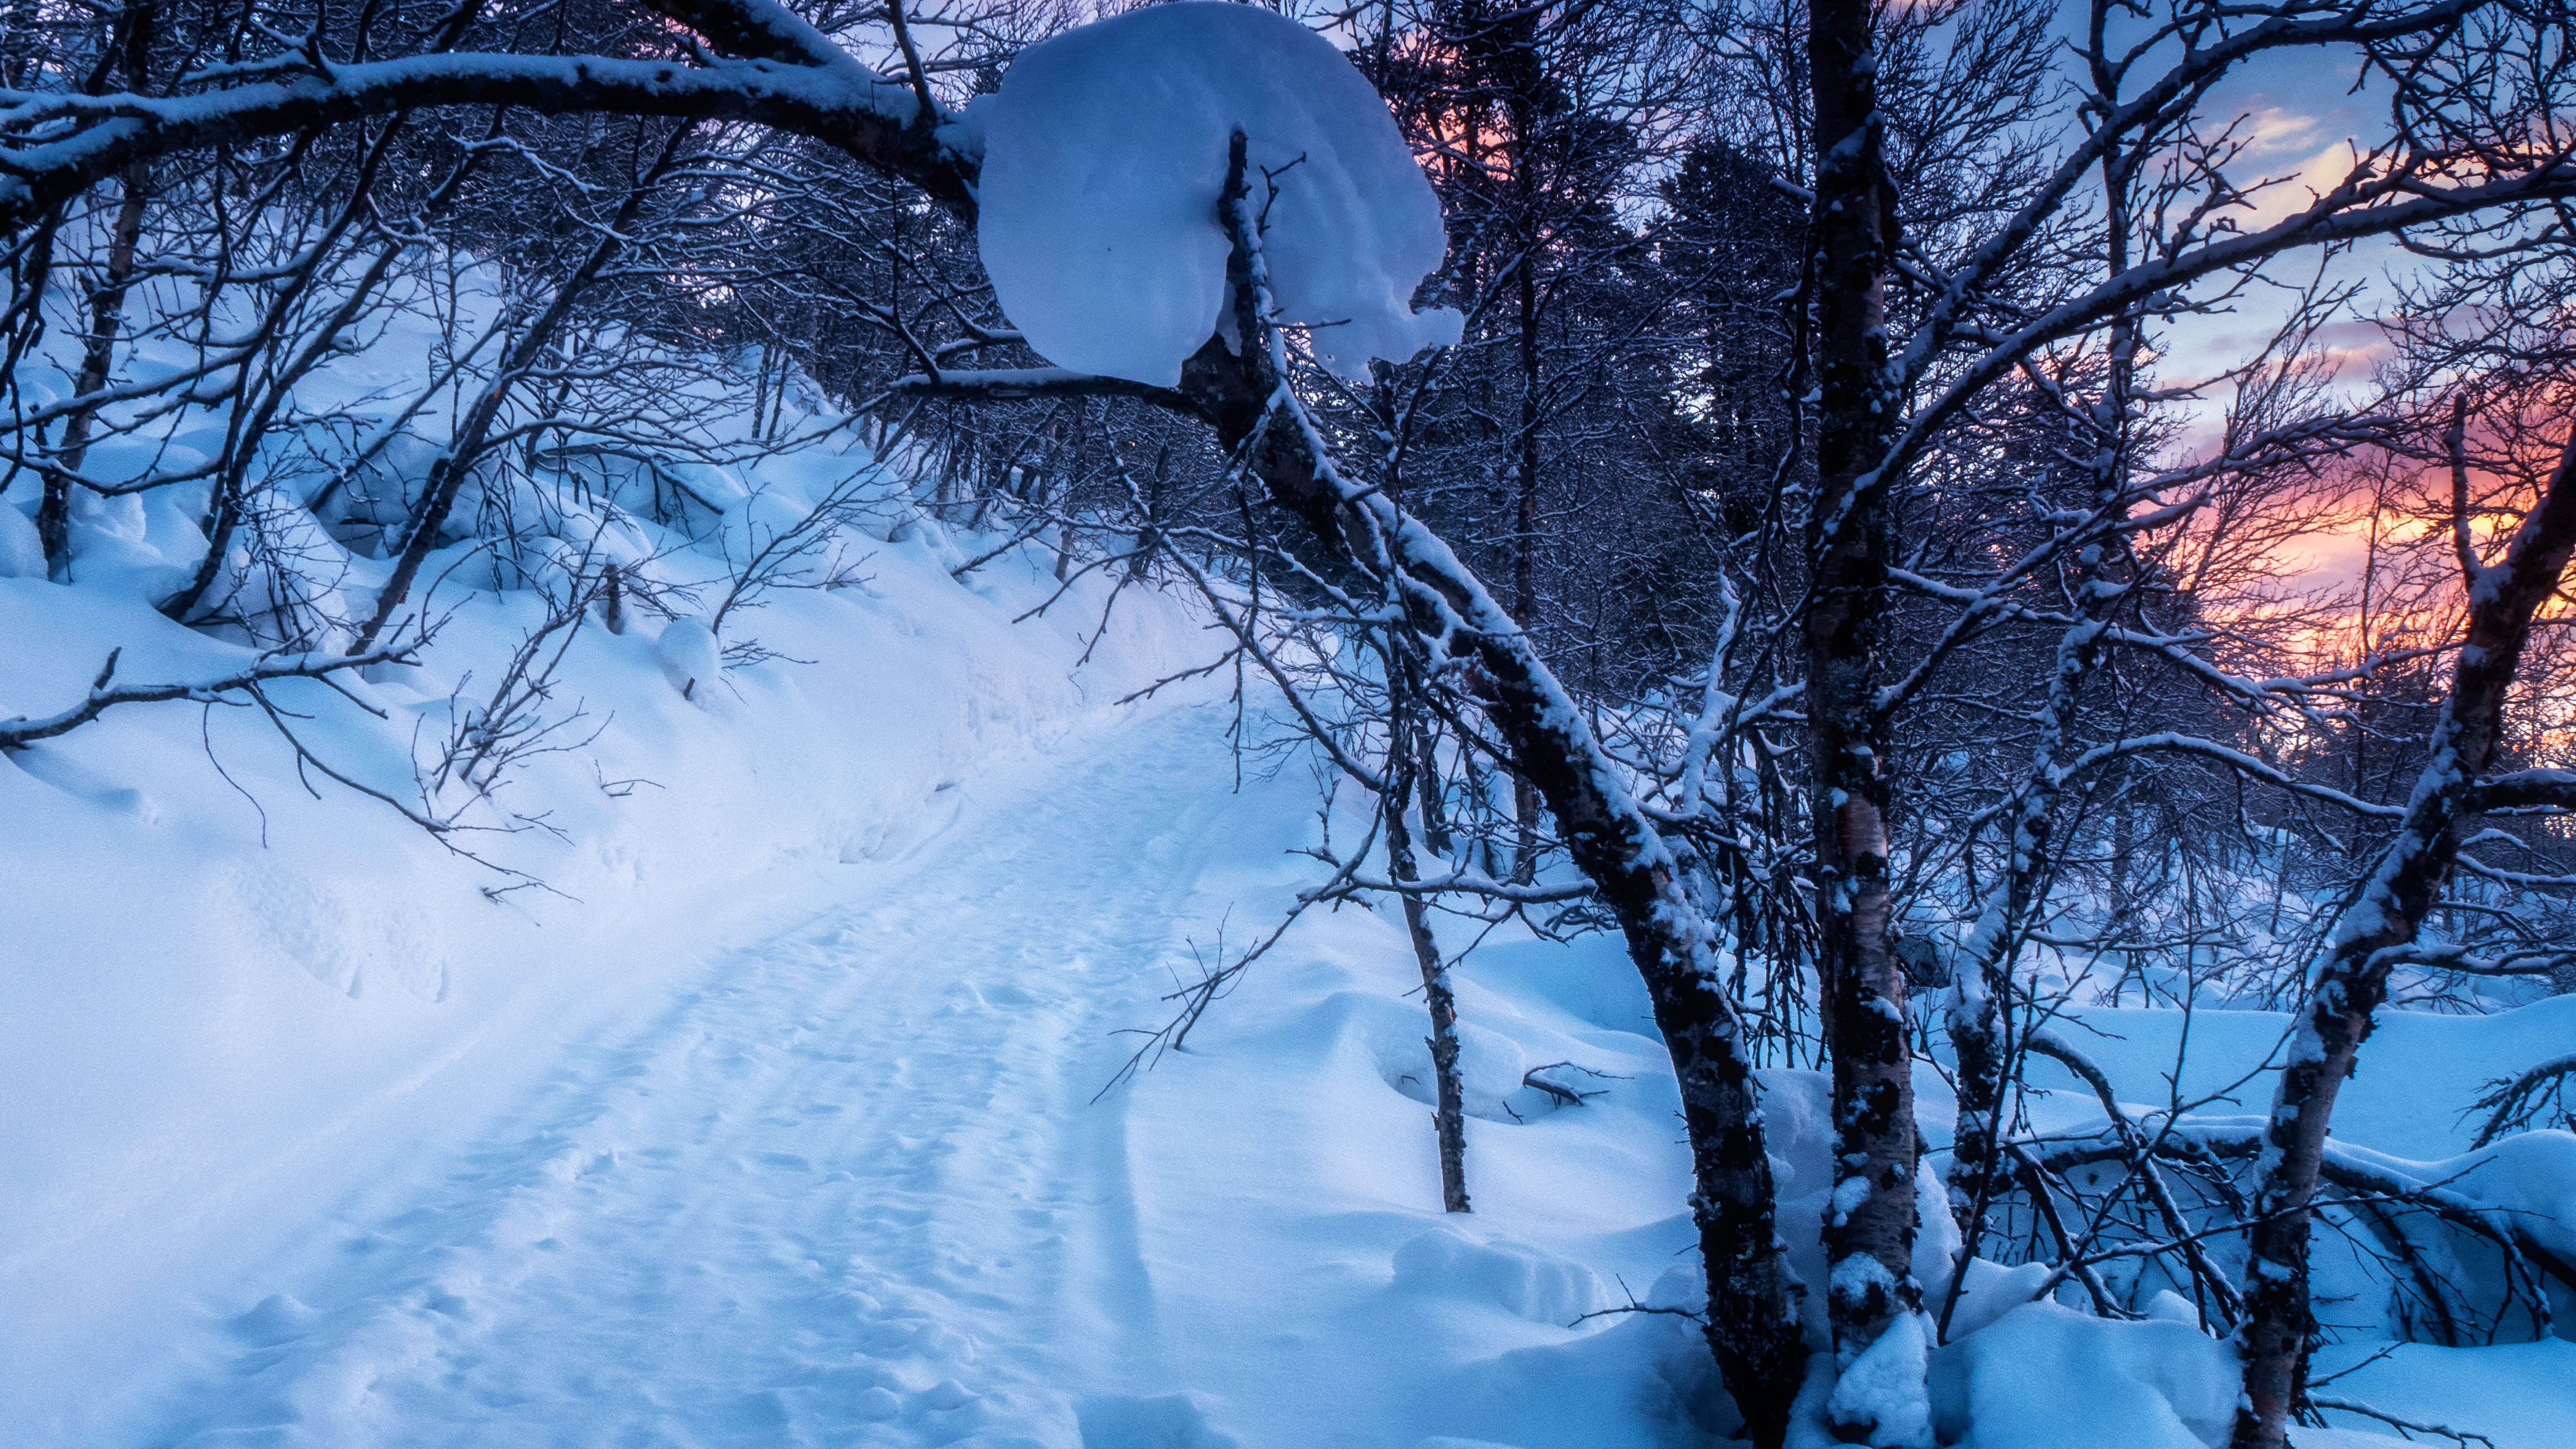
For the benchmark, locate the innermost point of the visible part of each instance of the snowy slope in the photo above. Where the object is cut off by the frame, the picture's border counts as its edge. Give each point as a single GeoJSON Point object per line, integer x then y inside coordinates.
{"type": "Point", "coordinates": [200, 1021]}
{"type": "Point", "coordinates": [849, 1182]}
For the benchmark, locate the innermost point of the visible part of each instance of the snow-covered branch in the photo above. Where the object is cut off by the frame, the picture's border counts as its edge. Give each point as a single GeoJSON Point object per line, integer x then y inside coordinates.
{"type": "Point", "coordinates": [72, 141]}
{"type": "Point", "coordinates": [106, 694]}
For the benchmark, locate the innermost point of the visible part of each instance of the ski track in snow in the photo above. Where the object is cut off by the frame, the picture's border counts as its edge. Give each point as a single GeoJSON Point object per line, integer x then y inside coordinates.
{"type": "Point", "coordinates": [845, 1190]}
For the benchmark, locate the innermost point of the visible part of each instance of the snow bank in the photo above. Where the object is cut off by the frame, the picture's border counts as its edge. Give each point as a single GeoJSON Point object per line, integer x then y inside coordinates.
{"type": "Point", "coordinates": [1287, 1195]}
{"type": "Point", "coordinates": [2520, 1395]}
{"type": "Point", "coordinates": [2020, 1373]}
{"type": "Point", "coordinates": [1105, 154]}
{"type": "Point", "coordinates": [1526, 1281]}
{"type": "Point", "coordinates": [2410, 1092]}
{"type": "Point", "coordinates": [2046, 1377]}
{"type": "Point", "coordinates": [220, 984]}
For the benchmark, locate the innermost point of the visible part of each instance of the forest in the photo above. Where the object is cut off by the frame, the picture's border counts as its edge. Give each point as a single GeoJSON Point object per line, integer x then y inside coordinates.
{"type": "Point", "coordinates": [1966, 550]}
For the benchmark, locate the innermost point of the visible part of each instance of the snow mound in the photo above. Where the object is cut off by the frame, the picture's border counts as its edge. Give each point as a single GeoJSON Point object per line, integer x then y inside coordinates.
{"type": "Point", "coordinates": [1525, 1281]}
{"type": "Point", "coordinates": [1879, 1400]}
{"type": "Point", "coordinates": [687, 649]}
{"type": "Point", "coordinates": [2043, 1376]}
{"type": "Point", "coordinates": [1104, 156]}
{"type": "Point", "coordinates": [22, 552]}
{"type": "Point", "coordinates": [1994, 1290]}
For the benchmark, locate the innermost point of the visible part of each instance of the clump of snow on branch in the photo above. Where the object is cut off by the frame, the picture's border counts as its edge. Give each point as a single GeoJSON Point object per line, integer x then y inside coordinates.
{"type": "Point", "coordinates": [1105, 154]}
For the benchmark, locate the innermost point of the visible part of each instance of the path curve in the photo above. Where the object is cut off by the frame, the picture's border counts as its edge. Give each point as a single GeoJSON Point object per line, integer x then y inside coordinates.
{"type": "Point", "coordinates": [848, 1189]}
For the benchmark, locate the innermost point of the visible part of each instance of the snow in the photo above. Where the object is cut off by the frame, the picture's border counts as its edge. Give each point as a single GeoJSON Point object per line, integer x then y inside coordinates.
{"type": "Point", "coordinates": [22, 551]}
{"type": "Point", "coordinates": [776, 1127]}
{"type": "Point", "coordinates": [1993, 1290]}
{"type": "Point", "coordinates": [1526, 1281]}
{"type": "Point", "coordinates": [688, 653]}
{"type": "Point", "coordinates": [2521, 1395]}
{"type": "Point", "coordinates": [813, 1157]}
{"type": "Point", "coordinates": [200, 1021]}
{"type": "Point", "coordinates": [1104, 157]}
{"type": "Point", "coordinates": [1879, 1400]}
{"type": "Point", "coordinates": [2046, 1377]}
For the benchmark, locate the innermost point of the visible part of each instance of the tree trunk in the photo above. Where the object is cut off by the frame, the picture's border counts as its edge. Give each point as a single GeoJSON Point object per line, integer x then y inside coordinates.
{"type": "Point", "coordinates": [1449, 1117]}
{"type": "Point", "coordinates": [1427, 788]}
{"type": "Point", "coordinates": [1869, 1233]}
{"type": "Point", "coordinates": [1752, 1323]}
{"type": "Point", "coordinates": [107, 311]}
{"type": "Point", "coordinates": [1979, 1049]}
{"type": "Point", "coordinates": [1521, 69]}
{"type": "Point", "coordinates": [2351, 978]}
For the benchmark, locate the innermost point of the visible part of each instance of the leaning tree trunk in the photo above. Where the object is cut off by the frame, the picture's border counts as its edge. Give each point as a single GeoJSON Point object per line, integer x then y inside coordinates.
{"type": "Point", "coordinates": [1751, 1321]}
{"type": "Point", "coordinates": [1449, 1114]}
{"type": "Point", "coordinates": [2351, 976]}
{"type": "Point", "coordinates": [1869, 1231]}
{"type": "Point", "coordinates": [1519, 67]}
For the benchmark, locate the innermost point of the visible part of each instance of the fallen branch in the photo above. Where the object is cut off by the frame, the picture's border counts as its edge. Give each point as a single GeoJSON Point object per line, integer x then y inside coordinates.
{"type": "Point", "coordinates": [2347, 1406]}
{"type": "Point", "coordinates": [1565, 1096]}
{"type": "Point", "coordinates": [2514, 1099]}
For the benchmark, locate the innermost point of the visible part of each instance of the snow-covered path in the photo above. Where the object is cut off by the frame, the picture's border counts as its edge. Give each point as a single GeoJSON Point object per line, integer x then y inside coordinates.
{"type": "Point", "coordinates": [844, 1189]}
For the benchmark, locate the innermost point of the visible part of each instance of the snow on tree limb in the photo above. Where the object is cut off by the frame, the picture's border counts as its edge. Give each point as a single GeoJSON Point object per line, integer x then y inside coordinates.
{"type": "Point", "coordinates": [1104, 157]}
{"type": "Point", "coordinates": [1011, 384]}
{"type": "Point", "coordinates": [81, 140]}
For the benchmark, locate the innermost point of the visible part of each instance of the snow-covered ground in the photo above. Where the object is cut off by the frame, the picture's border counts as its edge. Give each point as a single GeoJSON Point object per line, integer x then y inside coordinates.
{"type": "Point", "coordinates": [793, 1140]}
{"type": "Point", "coordinates": [844, 1184]}
{"type": "Point", "coordinates": [778, 1119]}
{"type": "Point", "coordinates": [797, 1147]}
{"type": "Point", "coordinates": [776, 1125]}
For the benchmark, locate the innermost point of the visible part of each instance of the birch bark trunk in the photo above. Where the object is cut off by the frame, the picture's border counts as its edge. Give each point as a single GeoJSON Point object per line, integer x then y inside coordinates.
{"type": "Point", "coordinates": [2351, 977]}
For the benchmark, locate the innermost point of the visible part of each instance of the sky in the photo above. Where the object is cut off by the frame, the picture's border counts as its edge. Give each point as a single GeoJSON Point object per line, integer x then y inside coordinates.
{"type": "Point", "coordinates": [2303, 122]}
